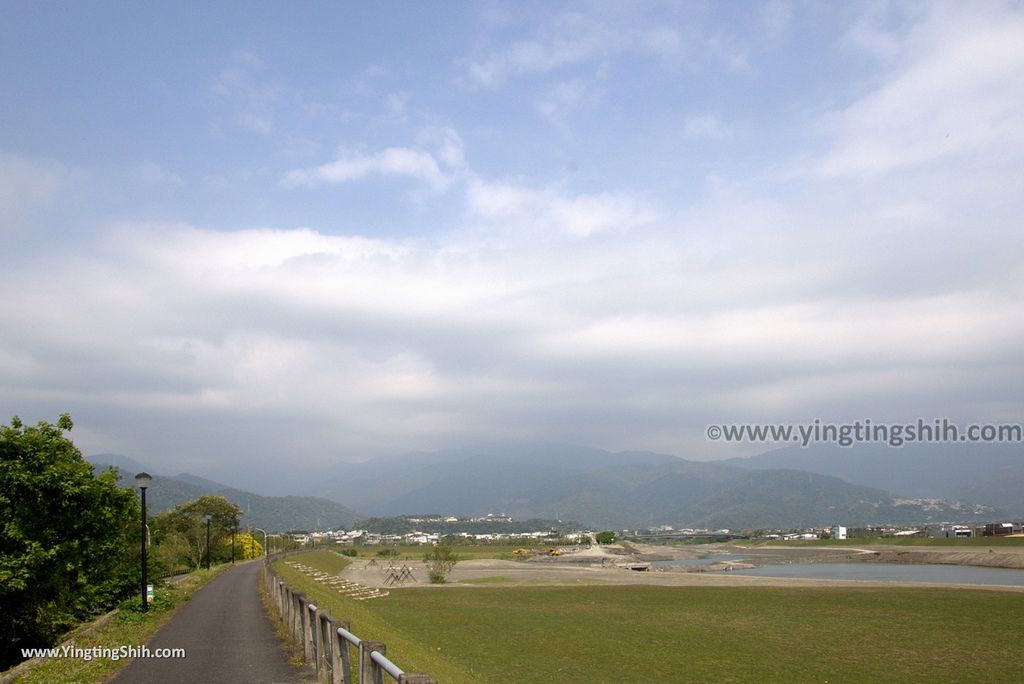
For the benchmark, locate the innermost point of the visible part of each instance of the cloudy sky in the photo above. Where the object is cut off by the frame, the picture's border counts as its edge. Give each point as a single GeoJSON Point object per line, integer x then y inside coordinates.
{"type": "Point", "coordinates": [276, 233]}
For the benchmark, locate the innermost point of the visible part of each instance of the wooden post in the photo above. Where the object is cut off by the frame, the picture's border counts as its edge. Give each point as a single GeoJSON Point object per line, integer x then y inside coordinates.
{"type": "Point", "coordinates": [369, 672]}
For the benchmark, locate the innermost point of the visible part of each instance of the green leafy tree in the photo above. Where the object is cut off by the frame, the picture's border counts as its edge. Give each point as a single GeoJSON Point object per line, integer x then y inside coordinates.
{"type": "Point", "coordinates": [187, 522]}
{"type": "Point", "coordinates": [69, 538]}
{"type": "Point", "coordinates": [606, 537]}
{"type": "Point", "coordinates": [440, 560]}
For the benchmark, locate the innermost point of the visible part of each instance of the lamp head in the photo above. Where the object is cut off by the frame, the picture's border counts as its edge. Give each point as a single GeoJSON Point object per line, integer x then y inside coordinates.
{"type": "Point", "coordinates": [142, 480]}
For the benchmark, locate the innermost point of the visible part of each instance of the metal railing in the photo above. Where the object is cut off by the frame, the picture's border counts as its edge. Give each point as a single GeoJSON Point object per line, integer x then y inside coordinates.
{"type": "Point", "coordinates": [327, 643]}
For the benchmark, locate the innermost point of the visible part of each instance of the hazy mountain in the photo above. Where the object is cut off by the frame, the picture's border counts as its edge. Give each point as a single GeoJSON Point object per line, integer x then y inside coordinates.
{"type": "Point", "coordinates": [273, 513]}
{"type": "Point", "coordinates": [989, 473]}
{"type": "Point", "coordinates": [618, 490]}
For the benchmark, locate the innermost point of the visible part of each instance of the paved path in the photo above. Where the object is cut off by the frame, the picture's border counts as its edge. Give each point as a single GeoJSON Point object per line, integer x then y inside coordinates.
{"type": "Point", "coordinates": [226, 635]}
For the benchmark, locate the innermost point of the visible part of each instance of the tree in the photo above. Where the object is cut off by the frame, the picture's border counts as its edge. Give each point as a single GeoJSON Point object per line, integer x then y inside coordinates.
{"type": "Point", "coordinates": [187, 520]}
{"type": "Point", "coordinates": [69, 538]}
{"type": "Point", "coordinates": [247, 546]}
{"type": "Point", "coordinates": [606, 537]}
{"type": "Point", "coordinates": [440, 560]}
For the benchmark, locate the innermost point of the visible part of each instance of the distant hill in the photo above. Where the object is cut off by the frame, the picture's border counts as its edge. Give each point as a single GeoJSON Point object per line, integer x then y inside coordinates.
{"type": "Point", "coordinates": [272, 513]}
{"type": "Point", "coordinates": [621, 490]}
{"type": "Point", "coordinates": [990, 473]}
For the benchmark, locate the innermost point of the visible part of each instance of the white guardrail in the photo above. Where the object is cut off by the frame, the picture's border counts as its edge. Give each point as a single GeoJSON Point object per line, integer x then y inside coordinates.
{"type": "Point", "coordinates": [328, 643]}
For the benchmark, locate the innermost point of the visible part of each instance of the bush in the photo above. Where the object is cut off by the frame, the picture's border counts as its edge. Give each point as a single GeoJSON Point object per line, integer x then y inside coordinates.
{"type": "Point", "coordinates": [440, 560]}
{"type": "Point", "coordinates": [606, 537]}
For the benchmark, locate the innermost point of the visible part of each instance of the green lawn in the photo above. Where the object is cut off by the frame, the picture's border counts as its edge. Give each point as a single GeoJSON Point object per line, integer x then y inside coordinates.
{"type": "Point", "coordinates": [672, 634]}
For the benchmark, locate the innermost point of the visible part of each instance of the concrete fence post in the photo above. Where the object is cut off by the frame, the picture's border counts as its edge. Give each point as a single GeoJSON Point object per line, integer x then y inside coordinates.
{"type": "Point", "coordinates": [341, 654]}
{"type": "Point", "coordinates": [290, 597]}
{"type": "Point", "coordinates": [312, 627]}
{"type": "Point", "coordinates": [369, 671]}
{"type": "Point", "coordinates": [296, 619]}
{"type": "Point", "coordinates": [325, 647]}
{"type": "Point", "coordinates": [304, 627]}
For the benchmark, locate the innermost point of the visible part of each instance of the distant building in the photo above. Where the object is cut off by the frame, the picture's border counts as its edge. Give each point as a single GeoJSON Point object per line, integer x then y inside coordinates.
{"type": "Point", "coordinates": [998, 529]}
{"type": "Point", "coordinates": [839, 532]}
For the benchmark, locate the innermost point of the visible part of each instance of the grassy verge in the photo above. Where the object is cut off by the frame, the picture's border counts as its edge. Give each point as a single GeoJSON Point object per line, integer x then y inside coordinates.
{"type": "Point", "coordinates": [723, 634]}
{"type": "Point", "coordinates": [130, 627]}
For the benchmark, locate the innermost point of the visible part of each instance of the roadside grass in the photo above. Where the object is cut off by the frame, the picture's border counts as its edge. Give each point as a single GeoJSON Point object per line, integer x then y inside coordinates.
{"type": "Point", "coordinates": [129, 627]}
{"type": "Point", "coordinates": [723, 634]}
{"type": "Point", "coordinates": [896, 541]}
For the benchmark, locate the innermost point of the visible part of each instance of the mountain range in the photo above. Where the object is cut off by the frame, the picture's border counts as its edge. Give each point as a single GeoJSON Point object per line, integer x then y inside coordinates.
{"type": "Point", "coordinates": [626, 489]}
{"type": "Point", "coordinates": [989, 473]}
{"type": "Point", "coordinates": [785, 488]}
{"type": "Point", "coordinates": [272, 513]}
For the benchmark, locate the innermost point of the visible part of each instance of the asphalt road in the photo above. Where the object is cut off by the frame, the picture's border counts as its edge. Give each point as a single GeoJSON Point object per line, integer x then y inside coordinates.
{"type": "Point", "coordinates": [226, 635]}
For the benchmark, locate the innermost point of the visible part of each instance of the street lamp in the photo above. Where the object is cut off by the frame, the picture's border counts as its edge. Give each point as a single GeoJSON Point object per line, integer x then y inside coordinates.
{"type": "Point", "coordinates": [207, 518]}
{"type": "Point", "coordinates": [143, 480]}
{"type": "Point", "coordinates": [266, 552]}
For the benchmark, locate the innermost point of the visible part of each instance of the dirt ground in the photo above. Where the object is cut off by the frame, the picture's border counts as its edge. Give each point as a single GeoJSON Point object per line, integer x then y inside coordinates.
{"type": "Point", "coordinates": [606, 565]}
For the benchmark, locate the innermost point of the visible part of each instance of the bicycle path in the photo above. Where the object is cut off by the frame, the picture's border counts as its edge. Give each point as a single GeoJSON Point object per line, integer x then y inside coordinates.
{"type": "Point", "coordinates": [226, 634]}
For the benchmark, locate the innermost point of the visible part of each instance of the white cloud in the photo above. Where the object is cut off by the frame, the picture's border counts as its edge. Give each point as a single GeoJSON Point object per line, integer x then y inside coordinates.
{"type": "Point", "coordinates": [550, 211]}
{"type": "Point", "coordinates": [392, 161]}
{"type": "Point", "coordinates": [435, 162]}
{"type": "Point", "coordinates": [573, 38]}
{"type": "Point", "coordinates": [242, 85]}
{"type": "Point", "coordinates": [958, 90]}
{"type": "Point", "coordinates": [562, 99]}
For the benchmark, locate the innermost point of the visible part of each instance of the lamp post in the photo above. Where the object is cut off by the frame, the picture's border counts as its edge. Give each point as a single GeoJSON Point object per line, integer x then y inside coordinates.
{"type": "Point", "coordinates": [207, 518]}
{"type": "Point", "coordinates": [266, 551]}
{"type": "Point", "coordinates": [143, 480]}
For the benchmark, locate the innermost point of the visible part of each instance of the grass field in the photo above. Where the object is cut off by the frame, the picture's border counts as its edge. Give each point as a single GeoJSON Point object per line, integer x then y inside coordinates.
{"type": "Point", "coordinates": [722, 634]}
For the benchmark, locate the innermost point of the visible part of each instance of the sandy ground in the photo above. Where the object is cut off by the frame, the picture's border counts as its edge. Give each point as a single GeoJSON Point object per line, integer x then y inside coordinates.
{"type": "Point", "coordinates": [603, 565]}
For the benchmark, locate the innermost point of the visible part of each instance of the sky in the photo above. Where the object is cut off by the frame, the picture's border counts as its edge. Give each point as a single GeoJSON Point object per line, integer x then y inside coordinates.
{"type": "Point", "coordinates": [276, 236]}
